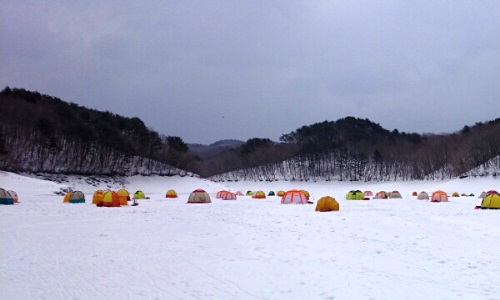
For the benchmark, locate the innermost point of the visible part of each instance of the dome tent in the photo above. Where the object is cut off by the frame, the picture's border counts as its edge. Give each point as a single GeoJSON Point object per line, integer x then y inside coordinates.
{"type": "Point", "coordinates": [380, 195]}
{"type": "Point", "coordinates": [124, 196]}
{"type": "Point", "coordinates": [271, 193]}
{"type": "Point", "coordinates": [5, 197]}
{"type": "Point", "coordinates": [14, 195]}
{"type": "Point", "coordinates": [423, 196]}
{"type": "Point", "coordinates": [97, 197]}
{"type": "Point", "coordinates": [455, 194]}
{"type": "Point", "coordinates": [355, 195]}
{"type": "Point", "coordinates": [259, 195]}
{"type": "Point", "coordinates": [491, 201]}
{"type": "Point", "coordinates": [280, 193]}
{"type": "Point", "coordinates": [110, 199]}
{"type": "Point", "coordinates": [395, 195]}
{"type": "Point", "coordinates": [74, 197]}
{"type": "Point", "coordinates": [327, 203]}
{"type": "Point", "coordinates": [439, 196]}
{"type": "Point", "coordinates": [368, 193]}
{"type": "Point", "coordinates": [171, 194]}
{"type": "Point", "coordinates": [294, 197]}
{"type": "Point", "coordinates": [249, 193]}
{"type": "Point", "coordinates": [199, 196]}
{"type": "Point", "coordinates": [228, 196]}
{"type": "Point", "coordinates": [139, 195]}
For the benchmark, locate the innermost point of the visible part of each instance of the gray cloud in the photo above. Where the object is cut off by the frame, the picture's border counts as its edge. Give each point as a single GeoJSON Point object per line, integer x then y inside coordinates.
{"type": "Point", "coordinates": [208, 70]}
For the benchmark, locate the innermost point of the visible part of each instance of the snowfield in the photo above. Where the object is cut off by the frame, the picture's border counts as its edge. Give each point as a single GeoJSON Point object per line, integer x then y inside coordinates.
{"type": "Point", "coordinates": [248, 249]}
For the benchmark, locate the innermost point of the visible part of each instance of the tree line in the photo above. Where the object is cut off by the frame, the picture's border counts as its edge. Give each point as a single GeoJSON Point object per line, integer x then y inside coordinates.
{"type": "Point", "coordinates": [41, 133]}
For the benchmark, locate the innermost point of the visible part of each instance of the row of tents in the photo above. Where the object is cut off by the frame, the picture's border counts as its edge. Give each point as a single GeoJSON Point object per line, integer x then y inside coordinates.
{"type": "Point", "coordinates": [324, 204]}
{"type": "Point", "coordinates": [104, 198]}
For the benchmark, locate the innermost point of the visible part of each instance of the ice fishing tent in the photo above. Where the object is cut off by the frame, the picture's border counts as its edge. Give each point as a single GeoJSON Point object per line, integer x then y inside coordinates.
{"type": "Point", "coordinates": [294, 197]}
{"type": "Point", "coordinates": [327, 203]}
{"type": "Point", "coordinates": [97, 197]}
{"type": "Point", "coordinates": [423, 196]}
{"type": "Point", "coordinates": [199, 196]}
{"type": "Point", "coordinates": [171, 194]}
{"type": "Point", "coordinates": [228, 196]}
{"type": "Point", "coordinates": [414, 194]}
{"type": "Point", "coordinates": [110, 199]}
{"type": "Point", "coordinates": [66, 197]}
{"type": "Point", "coordinates": [380, 195]}
{"type": "Point", "coordinates": [259, 195]}
{"type": "Point", "coordinates": [249, 193]}
{"type": "Point", "coordinates": [139, 195]}
{"type": "Point", "coordinates": [395, 195]}
{"type": "Point", "coordinates": [355, 195]}
{"type": "Point", "coordinates": [6, 197]}
{"type": "Point", "coordinates": [75, 197]}
{"type": "Point", "coordinates": [368, 193]}
{"type": "Point", "coordinates": [280, 193]}
{"type": "Point", "coordinates": [124, 196]}
{"type": "Point", "coordinates": [455, 194]}
{"type": "Point", "coordinates": [439, 196]}
{"type": "Point", "coordinates": [491, 201]}
{"type": "Point", "coordinates": [15, 198]}
{"type": "Point", "coordinates": [271, 193]}
{"type": "Point", "coordinates": [482, 195]}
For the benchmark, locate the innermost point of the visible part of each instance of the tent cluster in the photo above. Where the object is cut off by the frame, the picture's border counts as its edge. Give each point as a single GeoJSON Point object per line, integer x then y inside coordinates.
{"type": "Point", "coordinates": [8, 197]}
{"type": "Point", "coordinates": [114, 199]}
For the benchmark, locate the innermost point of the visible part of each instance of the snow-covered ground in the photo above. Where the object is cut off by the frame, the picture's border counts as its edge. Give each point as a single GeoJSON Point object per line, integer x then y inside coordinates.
{"type": "Point", "coordinates": [248, 249]}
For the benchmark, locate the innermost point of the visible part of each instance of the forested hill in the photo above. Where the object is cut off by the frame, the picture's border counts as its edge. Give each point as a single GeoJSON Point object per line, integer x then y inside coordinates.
{"type": "Point", "coordinates": [41, 133]}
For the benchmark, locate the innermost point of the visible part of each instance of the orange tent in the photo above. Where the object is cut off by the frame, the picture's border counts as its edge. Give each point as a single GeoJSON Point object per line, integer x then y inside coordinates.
{"type": "Point", "coordinates": [110, 199]}
{"type": "Point", "coordinates": [97, 197]}
{"type": "Point", "coordinates": [259, 195]}
{"type": "Point", "coordinates": [294, 197]}
{"type": "Point", "coordinates": [368, 193]}
{"type": "Point", "coordinates": [124, 196]}
{"type": "Point", "coordinates": [327, 203]}
{"type": "Point", "coordinates": [218, 195]}
{"type": "Point", "coordinates": [381, 195]}
{"type": "Point", "coordinates": [280, 193]}
{"type": "Point", "coordinates": [439, 196]}
{"type": "Point", "coordinates": [171, 194]}
{"type": "Point", "coordinates": [228, 196]}
{"type": "Point", "coordinates": [414, 194]}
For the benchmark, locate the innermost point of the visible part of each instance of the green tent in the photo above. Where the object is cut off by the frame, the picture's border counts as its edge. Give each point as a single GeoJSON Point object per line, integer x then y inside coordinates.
{"type": "Point", "coordinates": [139, 195]}
{"type": "Point", "coordinates": [355, 195]}
{"type": "Point", "coordinates": [249, 193]}
{"type": "Point", "coordinates": [271, 193]}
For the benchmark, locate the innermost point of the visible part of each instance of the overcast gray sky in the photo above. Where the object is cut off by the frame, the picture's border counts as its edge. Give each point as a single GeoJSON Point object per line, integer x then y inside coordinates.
{"type": "Point", "coordinates": [211, 70]}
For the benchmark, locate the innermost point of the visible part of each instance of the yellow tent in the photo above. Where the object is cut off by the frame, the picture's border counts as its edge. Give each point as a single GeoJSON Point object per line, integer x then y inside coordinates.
{"type": "Point", "coordinates": [455, 194]}
{"type": "Point", "coordinates": [171, 194]}
{"type": "Point", "coordinates": [491, 201]}
{"type": "Point", "coordinates": [327, 204]}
